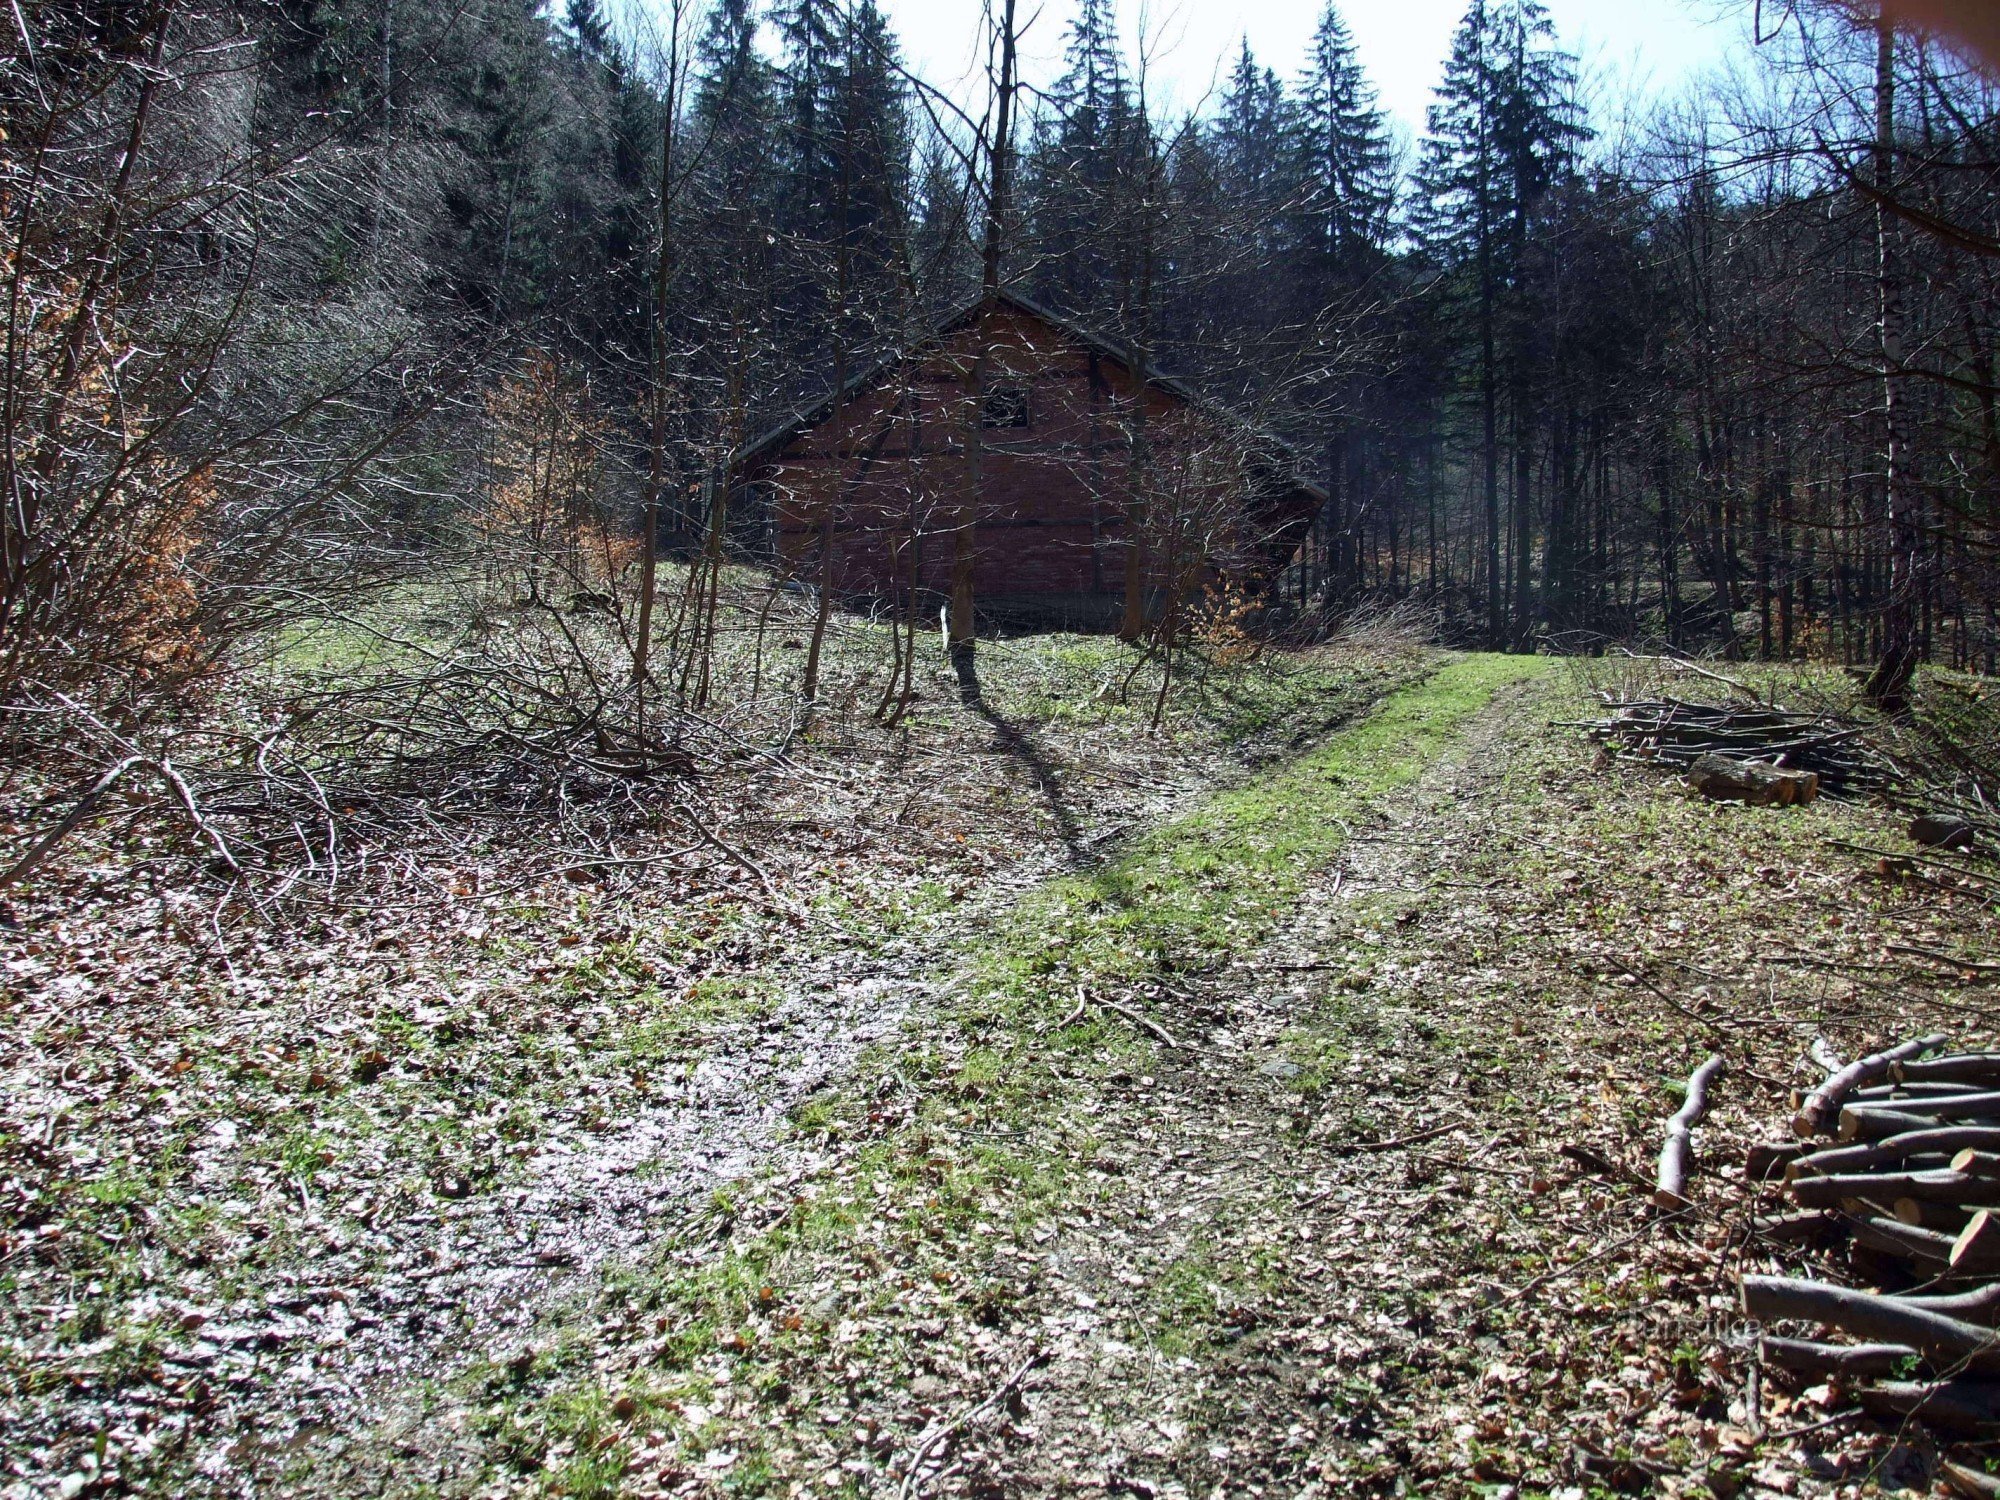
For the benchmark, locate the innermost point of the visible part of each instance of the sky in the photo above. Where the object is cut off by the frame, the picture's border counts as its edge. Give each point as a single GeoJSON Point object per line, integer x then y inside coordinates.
{"type": "Point", "coordinates": [1647, 46]}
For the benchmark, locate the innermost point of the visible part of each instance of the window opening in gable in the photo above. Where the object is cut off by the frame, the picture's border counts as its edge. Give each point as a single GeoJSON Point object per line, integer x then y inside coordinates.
{"type": "Point", "coordinates": [1006, 406]}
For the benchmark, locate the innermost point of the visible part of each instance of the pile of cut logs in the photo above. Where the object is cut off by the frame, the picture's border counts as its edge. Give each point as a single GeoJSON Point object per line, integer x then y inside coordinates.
{"type": "Point", "coordinates": [1795, 756]}
{"type": "Point", "coordinates": [1913, 1178]}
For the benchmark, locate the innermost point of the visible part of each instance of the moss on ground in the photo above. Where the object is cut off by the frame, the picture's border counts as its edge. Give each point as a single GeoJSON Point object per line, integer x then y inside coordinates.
{"type": "Point", "coordinates": [846, 1283]}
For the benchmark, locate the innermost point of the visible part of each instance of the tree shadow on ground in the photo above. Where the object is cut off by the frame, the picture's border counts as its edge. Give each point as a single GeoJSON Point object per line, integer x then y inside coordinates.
{"type": "Point", "coordinates": [1020, 744]}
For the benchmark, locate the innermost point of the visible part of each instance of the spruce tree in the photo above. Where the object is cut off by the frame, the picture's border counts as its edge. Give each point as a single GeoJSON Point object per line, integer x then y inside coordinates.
{"type": "Point", "coordinates": [1342, 158]}
{"type": "Point", "coordinates": [1340, 168]}
{"type": "Point", "coordinates": [1505, 128]}
{"type": "Point", "coordinates": [1250, 133]}
{"type": "Point", "coordinates": [1083, 160]}
{"type": "Point", "coordinates": [588, 26]}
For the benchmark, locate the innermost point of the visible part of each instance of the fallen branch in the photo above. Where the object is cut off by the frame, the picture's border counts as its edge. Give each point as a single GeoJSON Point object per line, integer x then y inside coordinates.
{"type": "Point", "coordinates": [1968, 1482]}
{"type": "Point", "coordinates": [1969, 965]}
{"type": "Point", "coordinates": [1602, 1166]}
{"type": "Point", "coordinates": [940, 1432]}
{"type": "Point", "coordinates": [1678, 1152]}
{"type": "Point", "coordinates": [1591, 1259]}
{"type": "Point", "coordinates": [1356, 1148]}
{"type": "Point", "coordinates": [1821, 1107]}
{"type": "Point", "coordinates": [28, 863]}
{"type": "Point", "coordinates": [1966, 1408]}
{"type": "Point", "coordinates": [201, 824]}
{"type": "Point", "coordinates": [1141, 1020]}
{"type": "Point", "coordinates": [1851, 1361]}
{"type": "Point", "coordinates": [1946, 1341]}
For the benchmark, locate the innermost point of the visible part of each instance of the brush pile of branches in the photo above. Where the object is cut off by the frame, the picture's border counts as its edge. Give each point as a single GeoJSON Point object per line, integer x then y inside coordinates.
{"type": "Point", "coordinates": [555, 752]}
{"type": "Point", "coordinates": [1898, 1154]}
{"type": "Point", "coordinates": [1951, 758]}
{"type": "Point", "coordinates": [1674, 732]}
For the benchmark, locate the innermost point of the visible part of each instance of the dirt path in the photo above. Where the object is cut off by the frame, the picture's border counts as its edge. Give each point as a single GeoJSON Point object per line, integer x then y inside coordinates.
{"type": "Point", "coordinates": [1235, 1207]}
{"type": "Point", "coordinates": [1358, 1206]}
{"type": "Point", "coordinates": [1342, 1241]}
{"type": "Point", "coordinates": [407, 1307]}
{"type": "Point", "coordinates": [371, 1340]}
{"type": "Point", "coordinates": [1298, 1148]}
{"type": "Point", "coordinates": [361, 1373]}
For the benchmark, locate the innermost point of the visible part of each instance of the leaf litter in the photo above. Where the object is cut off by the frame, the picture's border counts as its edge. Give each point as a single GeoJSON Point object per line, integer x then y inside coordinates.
{"type": "Point", "coordinates": [274, 1178]}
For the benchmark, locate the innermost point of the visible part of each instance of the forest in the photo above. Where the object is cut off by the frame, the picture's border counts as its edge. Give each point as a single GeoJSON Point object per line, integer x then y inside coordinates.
{"type": "Point", "coordinates": [308, 297]}
{"type": "Point", "coordinates": [726, 771]}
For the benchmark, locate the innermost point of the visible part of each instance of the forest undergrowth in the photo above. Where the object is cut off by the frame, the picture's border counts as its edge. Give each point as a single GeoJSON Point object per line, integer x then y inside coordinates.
{"type": "Point", "coordinates": [1303, 1148]}
{"type": "Point", "coordinates": [1013, 1100]}
{"type": "Point", "coordinates": [281, 1139]}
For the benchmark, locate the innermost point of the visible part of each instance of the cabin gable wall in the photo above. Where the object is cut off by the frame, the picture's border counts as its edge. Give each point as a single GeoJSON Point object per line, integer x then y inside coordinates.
{"type": "Point", "coordinates": [886, 478]}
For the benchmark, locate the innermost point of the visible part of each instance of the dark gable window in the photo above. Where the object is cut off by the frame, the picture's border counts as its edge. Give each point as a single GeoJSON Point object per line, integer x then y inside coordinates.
{"type": "Point", "coordinates": [1006, 406]}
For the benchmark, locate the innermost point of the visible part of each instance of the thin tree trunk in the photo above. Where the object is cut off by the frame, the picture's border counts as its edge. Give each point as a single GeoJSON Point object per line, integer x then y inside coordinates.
{"type": "Point", "coordinates": [656, 456]}
{"type": "Point", "coordinates": [960, 634]}
{"type": "Point", "coordinates": [1890, 682]}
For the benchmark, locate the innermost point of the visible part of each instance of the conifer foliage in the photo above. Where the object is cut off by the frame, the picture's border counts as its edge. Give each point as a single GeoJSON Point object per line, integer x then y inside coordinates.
{"type": "Point", "coordinates": [269, 265]}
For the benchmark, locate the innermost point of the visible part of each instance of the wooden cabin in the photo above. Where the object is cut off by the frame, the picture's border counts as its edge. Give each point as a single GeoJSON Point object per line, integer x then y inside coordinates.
{"type": "Point", "coordinates": [869, 490]}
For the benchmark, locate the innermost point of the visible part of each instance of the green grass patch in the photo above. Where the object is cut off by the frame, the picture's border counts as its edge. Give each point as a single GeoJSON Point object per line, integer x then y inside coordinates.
{"type": "Point", "coordinates": [907, 1227]}
{"type": "Point", "coordinates": [1218, 880]}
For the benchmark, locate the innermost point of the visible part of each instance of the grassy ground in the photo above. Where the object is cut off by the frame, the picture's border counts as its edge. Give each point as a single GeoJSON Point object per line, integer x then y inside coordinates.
{"type": "Point", "coordinates": [257, 1156]}
{"type": "Point", "coordinates": [1327, 1241]}
{"type": "Point", "coordinates": [1060, 1108]}
{"type": "Point", "coordinates": [909, 1243]}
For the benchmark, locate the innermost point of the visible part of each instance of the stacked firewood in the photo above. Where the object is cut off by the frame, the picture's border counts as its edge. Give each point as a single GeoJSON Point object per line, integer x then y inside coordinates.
{"type": "Point", "coordinates": [1673, 732]}
{"type": "Point", "coordinates": [1912, 1177]}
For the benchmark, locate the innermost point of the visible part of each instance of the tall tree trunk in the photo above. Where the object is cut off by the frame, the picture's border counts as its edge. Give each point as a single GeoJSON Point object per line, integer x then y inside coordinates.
{"type": "Point", "coordinates": [961, 636]}
{"type": "Point", "coordinates": [656, 449]}
{"type": "Point", "coordinates": [1489, 415]}
{"type": "Point", "coordinates": [1889, 685]}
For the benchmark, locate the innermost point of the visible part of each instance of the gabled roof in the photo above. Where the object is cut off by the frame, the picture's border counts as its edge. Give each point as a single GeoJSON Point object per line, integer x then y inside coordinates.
{"type": "Point", "coordinates": [1097, 343]}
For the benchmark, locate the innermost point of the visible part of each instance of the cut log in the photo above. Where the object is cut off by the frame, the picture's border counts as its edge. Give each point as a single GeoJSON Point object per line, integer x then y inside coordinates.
{"type": "Point", "coordinates": [1981, 1305]}
{"type": "Point", "coordinates": [1893, 1093]}
{"type": "Point", "coordinates": [1926, 1249]}
{"type": "Point", "coordinates": [1768, 1159]}
{"type": "Point", "coordinates": [1946, 1341]}
{"type": "Point", "coordinates": [1945, 1218]}
{"type": "Point", "coordinates": [1851, 1361]}
{"type": "Point", "coordinates": [1976, 1163]}
{"type": "Point", "coordinates": [1928, 1161]}
{"type": "Point", "coordinates": [1970, 1483]}
{"type": "Point", "coordinates": [1822, 1107]}
{"type": "Point", "coordinates": [1885, 1187]}
{"type": "Point", "coordinates": [1798, 1229]}
{"type": "Point", "coordinates": [1977, 1247]}
{"type": "Point", "coordinates": [1676, 1154]}
{"type": "Point", "coordinates": [1964, 1408]}
{"type": "Point", "coordinates": [1978, 1105]}
{"type": "Point", "coordinates": [1876, 1122]}
{"type": "Point", "coordinates": [1931, 1140]}
{"type": "Point", "coordinates": [1755, 782]}
{"type": "Point", "coordinates": [1960, 1067]}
